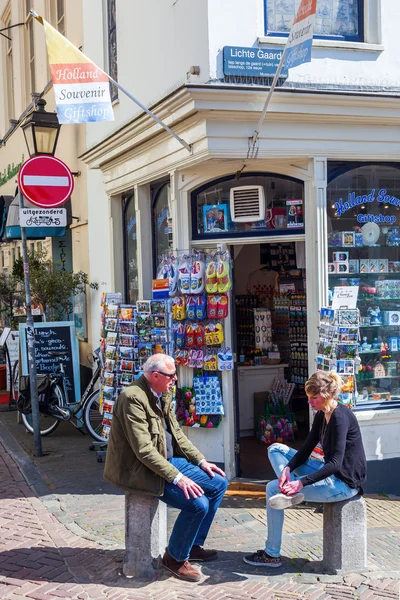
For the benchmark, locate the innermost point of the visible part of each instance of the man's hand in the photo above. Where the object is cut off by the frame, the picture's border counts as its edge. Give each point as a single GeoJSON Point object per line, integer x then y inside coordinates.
{"type": "Point", "coordinates": [284, 478]}
{"type": "Point", "coordinates": [189, 487]}
{"type": "Point", "coordinates": [293, 487]}
{"type": "Point", "coordinates": [210, 468]}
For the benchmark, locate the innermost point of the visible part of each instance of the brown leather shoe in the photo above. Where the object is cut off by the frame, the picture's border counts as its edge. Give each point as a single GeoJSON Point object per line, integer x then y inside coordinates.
{"type": "Point", "coordinates": [183, 570]}
{"type": "Point", "coordinates": [199, 554]}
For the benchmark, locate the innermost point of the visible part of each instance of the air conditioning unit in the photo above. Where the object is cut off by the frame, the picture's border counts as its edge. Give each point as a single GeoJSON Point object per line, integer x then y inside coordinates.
{"type": "Point", "coordinates": [247, 203]}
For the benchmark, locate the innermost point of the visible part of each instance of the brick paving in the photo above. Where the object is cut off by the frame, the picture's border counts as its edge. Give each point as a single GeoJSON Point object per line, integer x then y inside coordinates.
{"type": "Point", "coordinates": [68, 543]}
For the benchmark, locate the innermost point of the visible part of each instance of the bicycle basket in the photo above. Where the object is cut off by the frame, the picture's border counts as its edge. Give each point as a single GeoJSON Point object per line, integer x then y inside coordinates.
{"type": "Point", "coordinates": [45, 393]}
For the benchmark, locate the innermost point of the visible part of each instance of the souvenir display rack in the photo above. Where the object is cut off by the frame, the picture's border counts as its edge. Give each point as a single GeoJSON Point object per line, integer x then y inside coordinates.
{"type": "Point", "coordinates": [298, 339]}
{"type": "Point", "coordinates": [129, 335]}
{"type": "Point", "coordinates": [338, 348]}
{"type": "Point", "coordinates": [281, 326]}
{"type": "Point", "coordinates": [245, 326]}
{"type": "Point", "coordinates": [199, 299]}
{"type": "Point", "coordinates": [199, 285]}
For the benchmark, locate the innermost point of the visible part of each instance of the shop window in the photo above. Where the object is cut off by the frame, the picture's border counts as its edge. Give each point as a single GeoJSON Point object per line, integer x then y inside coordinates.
{"type": "Point", "coordinates": [337, 19]}
{"type": "Point", "coordinates": [130, 249]}
{"type": "Point", "coordinates": [281, 197]}
{"type": "Point", "coordinates": [162, 223]}
{"type": "Point", "coordinates": [57, 15]}
{"type": "Point", "coordinates": [364, 251]}
{"type": "Point", "coordinates": [29, 50]}
{"type": "Point", "coordinates": [8, 43]}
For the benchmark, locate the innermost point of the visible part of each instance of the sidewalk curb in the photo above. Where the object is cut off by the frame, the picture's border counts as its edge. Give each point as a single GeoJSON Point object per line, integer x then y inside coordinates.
{"type": "Point", "coordinates": [34, 479]}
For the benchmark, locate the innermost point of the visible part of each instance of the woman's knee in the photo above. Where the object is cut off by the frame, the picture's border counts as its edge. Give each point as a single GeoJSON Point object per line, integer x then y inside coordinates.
{"type": "Point", "coordinates": [277, 449]}
{"type": "Point", "coordinates": [272, 488]}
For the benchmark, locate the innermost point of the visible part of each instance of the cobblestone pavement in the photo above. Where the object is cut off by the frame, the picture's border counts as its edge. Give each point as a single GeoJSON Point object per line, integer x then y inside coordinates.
{"type": "Point", "coordinates": [68, 542]}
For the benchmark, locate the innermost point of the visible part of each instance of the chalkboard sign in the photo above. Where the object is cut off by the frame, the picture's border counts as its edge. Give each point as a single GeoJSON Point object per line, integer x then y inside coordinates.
{"type": "Point", "coordinates": [54, 336]}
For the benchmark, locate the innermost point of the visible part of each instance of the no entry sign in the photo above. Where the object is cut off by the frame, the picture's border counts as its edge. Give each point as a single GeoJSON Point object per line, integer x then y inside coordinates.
{"type": "Point", "coordinates": [45, 181]}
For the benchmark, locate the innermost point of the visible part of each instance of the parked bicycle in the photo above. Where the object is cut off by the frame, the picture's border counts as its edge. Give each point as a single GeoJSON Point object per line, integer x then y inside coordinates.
{"type": "Point", "coordinates": [54, 406]}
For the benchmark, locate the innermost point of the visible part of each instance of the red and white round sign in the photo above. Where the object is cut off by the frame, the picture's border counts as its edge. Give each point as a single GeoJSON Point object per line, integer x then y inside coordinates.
{"type": "Point", "coordinates": [45, 181]}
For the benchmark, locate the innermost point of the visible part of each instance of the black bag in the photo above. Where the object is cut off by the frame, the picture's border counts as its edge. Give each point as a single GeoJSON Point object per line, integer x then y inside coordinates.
{"type": "Point", "coordinates": [45, 387]}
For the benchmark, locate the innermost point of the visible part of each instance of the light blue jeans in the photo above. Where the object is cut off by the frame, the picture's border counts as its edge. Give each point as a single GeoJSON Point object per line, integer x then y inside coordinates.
{"type": "Point", "coordinates": [330, 489]}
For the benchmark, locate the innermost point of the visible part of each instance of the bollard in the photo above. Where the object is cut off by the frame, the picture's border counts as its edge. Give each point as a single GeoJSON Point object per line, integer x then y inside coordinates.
{"type": "Point", "coordinates": [345, 535]}
{"type": "Point", "coordinates": [145, 535]}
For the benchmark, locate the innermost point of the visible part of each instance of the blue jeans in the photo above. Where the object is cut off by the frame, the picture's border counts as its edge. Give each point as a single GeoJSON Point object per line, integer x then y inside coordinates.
{"type": "Point", "coordinates": [194, 521]}
{"type": "Point", "coordinates": [330, 489]}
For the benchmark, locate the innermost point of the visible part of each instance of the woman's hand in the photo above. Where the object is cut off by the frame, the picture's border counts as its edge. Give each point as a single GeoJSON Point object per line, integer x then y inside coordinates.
{"type": "Point", "coordinates": [284, 478]}
{"type": "Point", "coordinates": [293, 487]}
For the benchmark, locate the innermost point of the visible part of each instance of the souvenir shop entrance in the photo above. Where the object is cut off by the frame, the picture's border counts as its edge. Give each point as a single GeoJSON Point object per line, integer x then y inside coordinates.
{"type": "Point", "coordinates": [269, 323]}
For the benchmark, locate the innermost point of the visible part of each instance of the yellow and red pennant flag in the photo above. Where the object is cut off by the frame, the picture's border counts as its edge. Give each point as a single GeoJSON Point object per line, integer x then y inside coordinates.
{"type": "Point", "coordinates": [81, 88]}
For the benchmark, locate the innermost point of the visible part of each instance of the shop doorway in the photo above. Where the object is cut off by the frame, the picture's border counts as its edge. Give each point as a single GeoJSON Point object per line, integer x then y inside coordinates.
{"type": "Point", "coordinates": [270, 341]}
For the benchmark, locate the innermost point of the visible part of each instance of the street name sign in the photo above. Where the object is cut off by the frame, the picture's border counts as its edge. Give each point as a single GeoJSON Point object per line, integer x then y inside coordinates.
{"type": "Point", "coordinates": [45, 181]}
{"type": "Point", "coordinates": [252, 62]}
{"type": "Point", "coordinates": [42, 217]}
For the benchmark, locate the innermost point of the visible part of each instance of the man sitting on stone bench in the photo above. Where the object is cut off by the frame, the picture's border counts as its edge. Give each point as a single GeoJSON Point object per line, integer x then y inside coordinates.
{"type": "Point", "coordinates": [148, 453]}
{"type": "Point", "coordinates": [339, 476]}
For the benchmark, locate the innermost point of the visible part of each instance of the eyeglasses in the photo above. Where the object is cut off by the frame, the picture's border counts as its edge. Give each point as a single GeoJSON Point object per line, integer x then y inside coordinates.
{"type": "Point", "coordinates": [169, 375]}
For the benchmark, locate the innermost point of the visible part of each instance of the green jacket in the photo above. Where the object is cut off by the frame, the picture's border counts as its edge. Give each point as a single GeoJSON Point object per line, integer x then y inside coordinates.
{"type": "Point", "coordinates": [136, 459]}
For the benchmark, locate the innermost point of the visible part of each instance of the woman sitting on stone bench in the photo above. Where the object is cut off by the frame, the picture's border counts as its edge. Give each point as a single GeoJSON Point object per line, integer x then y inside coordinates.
{"type": "Point", "coordinates": [337, 477]}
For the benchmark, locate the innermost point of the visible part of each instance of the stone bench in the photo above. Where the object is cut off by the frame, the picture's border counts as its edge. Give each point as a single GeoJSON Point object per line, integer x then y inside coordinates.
{"type": "Point", "coordinates": [345, 536]}
{"type": "Point", "coordinates": [145, 535]}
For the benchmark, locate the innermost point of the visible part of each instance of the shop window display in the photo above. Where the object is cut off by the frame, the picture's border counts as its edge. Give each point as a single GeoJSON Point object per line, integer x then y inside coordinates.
{"type": "Point", "coordinates": [162, 223]}
{"type": "Point", "coordinates": [283, 214]}
{"type": "Point", "coordinates": [130, 249]}
{"type": "Point", "coordinates": [364, 251]}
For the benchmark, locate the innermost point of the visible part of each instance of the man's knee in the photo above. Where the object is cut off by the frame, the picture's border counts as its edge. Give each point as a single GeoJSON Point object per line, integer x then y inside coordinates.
{"type": "Point", "coordinates": [221, 482]}
{"type": "Point", "coordinates": [200, 505]}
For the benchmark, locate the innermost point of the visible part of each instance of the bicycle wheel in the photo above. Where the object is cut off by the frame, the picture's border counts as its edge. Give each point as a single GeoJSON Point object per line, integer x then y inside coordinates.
{"type": "Point", "coordinates": [92, 417]}
{"type": "Point", "coordinates": [47, 423]}
{"type": "Point", "coordinates": [15, 380]}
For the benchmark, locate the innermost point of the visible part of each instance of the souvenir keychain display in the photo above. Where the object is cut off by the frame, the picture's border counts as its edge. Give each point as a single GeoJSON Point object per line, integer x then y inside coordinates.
{"type": "Point", "coordinates": [129, 335]}
{"type": "Point", "coordinates": [186, 411]}
{"type": "Point", "coordinates": [199, 305]}
{"type": "Point", "coordinates": [298, 339]}
{"type": "Point", "coordinates": [338, 348]}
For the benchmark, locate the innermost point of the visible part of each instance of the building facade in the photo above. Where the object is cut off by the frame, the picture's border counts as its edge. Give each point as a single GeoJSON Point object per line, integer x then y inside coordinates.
{"type": "Point", "coordinates": [24, 69]}
{"type": "Point", "coordinates": [329, 145]}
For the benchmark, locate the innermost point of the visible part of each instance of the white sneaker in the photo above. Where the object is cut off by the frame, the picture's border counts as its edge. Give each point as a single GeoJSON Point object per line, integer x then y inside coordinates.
{"type": "Point", "coordinates": [281, 501]}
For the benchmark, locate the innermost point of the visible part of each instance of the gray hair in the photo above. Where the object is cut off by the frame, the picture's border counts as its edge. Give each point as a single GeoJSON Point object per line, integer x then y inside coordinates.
{"type": "Point", "coordinates": [156, 363]}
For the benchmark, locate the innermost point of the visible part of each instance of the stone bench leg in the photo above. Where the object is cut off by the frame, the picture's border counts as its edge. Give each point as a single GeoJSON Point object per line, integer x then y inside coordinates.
{"type": "Point", "coordinates": [145, 535]}
{"type": "Point", "coordinates": [345, 535]}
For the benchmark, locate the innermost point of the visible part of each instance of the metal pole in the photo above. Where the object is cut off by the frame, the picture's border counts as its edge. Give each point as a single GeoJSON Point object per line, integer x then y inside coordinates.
{"type": "Point", "coordinates": [271, 91]}
{"type": "Point", "coordinates": [30, 331]}
{"type": "Point", "coordinates": [188, 147]}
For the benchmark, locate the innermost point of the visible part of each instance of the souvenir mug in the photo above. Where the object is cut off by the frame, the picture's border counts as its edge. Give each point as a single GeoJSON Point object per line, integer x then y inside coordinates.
{"type": "Point", "coordinates": [279, 221]}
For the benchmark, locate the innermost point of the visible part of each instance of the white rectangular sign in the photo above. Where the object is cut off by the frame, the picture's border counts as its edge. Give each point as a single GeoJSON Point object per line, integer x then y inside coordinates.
{"type": "Point", "coordinates": [345, 297]}
{"type": "Point", "coordinates": [42, 217]}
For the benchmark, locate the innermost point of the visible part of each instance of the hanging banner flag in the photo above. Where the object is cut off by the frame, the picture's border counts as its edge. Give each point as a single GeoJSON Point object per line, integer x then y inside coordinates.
{"type": "Point", "coordinates": [82, 90]}
{"type": "Point", "coordinates": [298, 46]}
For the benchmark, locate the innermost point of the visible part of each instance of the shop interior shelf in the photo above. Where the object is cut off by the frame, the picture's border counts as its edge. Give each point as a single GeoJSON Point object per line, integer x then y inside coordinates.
{"type": "Point", "coordinates": [376, 299]}
{"type": "Point", "coordinates": [373, 326]}
{"type": "Point", "coordinates": [355, 275]}
{"type": "Point", "coordinates": [372, 401]}
{"type": "Point", "coordinates": [375, 378]}
{"type": "Point", "coordinates": [377, 352]}
{"type": "Point", "coordinates": [361, 247]}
